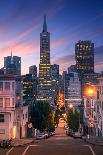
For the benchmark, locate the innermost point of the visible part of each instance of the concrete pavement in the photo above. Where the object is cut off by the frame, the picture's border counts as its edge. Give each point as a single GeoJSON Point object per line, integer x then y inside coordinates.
{"type": "Point", "coordinates": [60, 144]}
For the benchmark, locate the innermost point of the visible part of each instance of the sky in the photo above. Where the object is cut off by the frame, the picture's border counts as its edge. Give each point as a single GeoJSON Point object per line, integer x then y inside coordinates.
{"type": "Point", "coordinates": [68, 21]}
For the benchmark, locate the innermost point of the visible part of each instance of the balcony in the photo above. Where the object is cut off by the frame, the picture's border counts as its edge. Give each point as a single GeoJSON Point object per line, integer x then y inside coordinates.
{"type": "Point", "coordinates": [7, 109]}
{"type": "Point", "coordinates": [7, 92]}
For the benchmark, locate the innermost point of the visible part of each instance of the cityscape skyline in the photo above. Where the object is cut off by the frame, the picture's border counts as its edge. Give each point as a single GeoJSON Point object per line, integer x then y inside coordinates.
{"type": "Point", "coordinates": [25, 24]}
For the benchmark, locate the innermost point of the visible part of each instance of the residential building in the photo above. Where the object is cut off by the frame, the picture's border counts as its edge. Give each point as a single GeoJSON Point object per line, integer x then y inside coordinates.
{"type": "Point", "coordinates": [98, 112]}
{"type": "Point", "coordinates": [12, 122]}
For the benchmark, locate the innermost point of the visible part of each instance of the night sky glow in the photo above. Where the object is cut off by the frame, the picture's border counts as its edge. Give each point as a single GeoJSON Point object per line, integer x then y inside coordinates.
{"type": "Point", "coordinates": [68, 21]}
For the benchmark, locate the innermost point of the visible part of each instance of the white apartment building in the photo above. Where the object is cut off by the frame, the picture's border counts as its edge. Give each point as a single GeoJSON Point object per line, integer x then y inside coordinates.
{"type": "Point", "coordinates": [89, 106]}
{"type": "Point", "coordinates": [98, 113]}
{"type": "Point", "coordinates": [12, 118]}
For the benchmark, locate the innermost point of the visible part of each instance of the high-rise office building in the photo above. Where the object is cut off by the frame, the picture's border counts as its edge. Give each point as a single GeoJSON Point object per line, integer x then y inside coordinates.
{"type": "Point", "coordinates": [33, 70]}
{"type": "Point", "coordinates": [29, 89]}
{"type": "Point", "coordinates": [84, 55]}
{"type": "Point", "coordinates": [55, 81]}
{"type": "Point", "coordinates": [12, 65]}
{"type": "Point", "coordinates": [45, 85]}
{"type": "Point", "coordinates": [72, 89]}
{"type": "Point", "coordinates": [72, 68]}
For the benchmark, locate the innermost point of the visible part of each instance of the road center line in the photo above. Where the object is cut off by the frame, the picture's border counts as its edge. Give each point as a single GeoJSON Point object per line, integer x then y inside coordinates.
{"type": "Point", "coordinates": [25, 150]}
{"type": "Point", "coordinates": [91, 150]}
{"type": "Point", "coordinates": [93, 153]}
{"type": "Point", "coordinates": [9, 151]}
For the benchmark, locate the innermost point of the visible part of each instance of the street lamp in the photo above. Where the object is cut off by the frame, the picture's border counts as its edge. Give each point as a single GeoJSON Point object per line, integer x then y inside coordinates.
{"type": "Point", "coordinates": [70, 106]}
{"type": "Point", "coordinates": [89, 92]}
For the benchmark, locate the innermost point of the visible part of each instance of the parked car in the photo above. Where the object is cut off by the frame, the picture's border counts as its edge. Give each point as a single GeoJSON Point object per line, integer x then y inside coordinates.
{"type": "Point", "coordinates": [70, 132]}
{"type": "Point", "coordinates": [40, 136]}
{"type": "Point", "coordinates": [50, 134]}
{"type": "Point", "coordinates": [46, 135]}
{"type": "Point", "coordinates": [77, 135]}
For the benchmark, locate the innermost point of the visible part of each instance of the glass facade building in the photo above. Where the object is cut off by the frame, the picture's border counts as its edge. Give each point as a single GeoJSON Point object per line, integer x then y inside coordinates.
{"type": "Point", "coordinates": [45, 82]}
{"type": "Point", "coordinates": [84, 55]}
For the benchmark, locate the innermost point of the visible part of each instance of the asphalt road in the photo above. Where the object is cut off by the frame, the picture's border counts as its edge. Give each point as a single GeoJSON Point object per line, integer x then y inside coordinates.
{"type": "Point", "coordinates": [60, 144]}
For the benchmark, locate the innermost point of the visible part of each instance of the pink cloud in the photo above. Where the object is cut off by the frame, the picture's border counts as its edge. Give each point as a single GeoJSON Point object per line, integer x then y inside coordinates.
{"type": "Point", "coordinates": [57, 43]}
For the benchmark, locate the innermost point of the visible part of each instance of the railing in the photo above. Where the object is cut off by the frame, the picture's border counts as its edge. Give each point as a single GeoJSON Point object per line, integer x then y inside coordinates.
{"type": "Point", "coordinates": [7, 109]}
{"type": "Point", "coordinates": [7, 92]}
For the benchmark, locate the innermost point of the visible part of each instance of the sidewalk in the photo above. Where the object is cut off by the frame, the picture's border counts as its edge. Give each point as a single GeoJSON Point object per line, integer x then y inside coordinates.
{"type": "Point", "coordinates": [94, 140]}
{"type": "Point", "coordinates": [22, 142]}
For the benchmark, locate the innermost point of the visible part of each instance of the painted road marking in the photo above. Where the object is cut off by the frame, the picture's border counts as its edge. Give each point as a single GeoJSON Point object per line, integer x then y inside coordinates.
{"type": "Point", "coordinates": [25, 150]}
{"type": "Point", "coordinates": [93, 153]}
{"type": "Point", "coordinates": [28, 148]}
{"type": "Point", "coordinates": [9, 151]}
{"type": "Point", "coordinates": [91, 150]}
{"type": "Point", "coordinates": [34, 145]}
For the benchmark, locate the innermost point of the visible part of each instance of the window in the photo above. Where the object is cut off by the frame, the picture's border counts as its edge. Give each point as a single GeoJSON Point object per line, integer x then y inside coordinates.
{"type": "Point", "coordinates": [26, 115]}
{"type": "Point", "coordinates": [1, 117]}
{"type": "Point", "coordinates": [13, 102]}
{"type": "Point", "coordinates": [7, 102]}
{"type": "Point", "coordinates": [13, 85]}
{"type": "Point", "coordinates": [1, 102]}
{"type": "Point", "coordinates": [2, 131]}
{"type": "Point", "coordinates": [7, 85]}
{"type": "Point", "coordinates": [1, 85]}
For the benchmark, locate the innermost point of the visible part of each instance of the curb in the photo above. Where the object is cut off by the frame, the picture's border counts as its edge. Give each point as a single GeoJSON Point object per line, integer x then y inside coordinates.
{"type": "Point", "coordinates": [92, 142]}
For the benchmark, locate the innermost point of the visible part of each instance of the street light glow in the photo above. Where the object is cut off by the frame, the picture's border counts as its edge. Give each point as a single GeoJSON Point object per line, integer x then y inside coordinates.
{"type": "Point", "coordinates": [70, 106]}
{"type": "Point", "coordinates": [90, 90]}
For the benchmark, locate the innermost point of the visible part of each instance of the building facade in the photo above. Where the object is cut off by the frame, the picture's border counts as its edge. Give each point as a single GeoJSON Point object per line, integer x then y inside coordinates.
{"type": "Point", "coordinates": [72, 89]}
{"type": "Point", "coordinates": [12, 65]}
{"type": "Point", "coordinates": [98, 112]}
{"type": "Point", "coordinates": [29, 89]}
{"type": "Point", "coordinates": [84, 55]}
{"type": "Point", "coordinates": [45, 81]}
{"type": "Point", "coordinates": [33, 70]}
{"type": "Point", "coordinates": [12, 124]}
{"type": "Point", "coordinates": [55, 81]}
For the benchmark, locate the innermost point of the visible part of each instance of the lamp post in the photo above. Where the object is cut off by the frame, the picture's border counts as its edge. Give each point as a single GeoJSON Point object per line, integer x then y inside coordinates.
{"type": "Point", "coordinates": [89, 94]}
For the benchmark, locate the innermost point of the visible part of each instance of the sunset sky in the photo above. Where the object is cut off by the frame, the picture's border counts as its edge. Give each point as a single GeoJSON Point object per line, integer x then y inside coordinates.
{"type": "Point", "coordinates": [68, 21]}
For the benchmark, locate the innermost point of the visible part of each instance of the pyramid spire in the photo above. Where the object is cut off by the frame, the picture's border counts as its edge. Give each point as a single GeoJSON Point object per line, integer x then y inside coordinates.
{"type": "Point", "coordinates": [11, 57]}
{"type": "Point", "coordinates": [11, 53]}
{"type": "Point", "coordinates": [44, 24]}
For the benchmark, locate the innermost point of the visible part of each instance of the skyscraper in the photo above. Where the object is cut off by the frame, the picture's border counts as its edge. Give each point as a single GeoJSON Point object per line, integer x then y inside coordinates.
{"type": "Point", "coordinates": [55, 81]}
{"type": "Point", "coordinates": [84, 55]}
{"type": "Point", "coordinates": [33, 70]}
{"type": "Point", "coordinates": [45, 85]}
{"type": "Point", "coordinates": [12, 65]}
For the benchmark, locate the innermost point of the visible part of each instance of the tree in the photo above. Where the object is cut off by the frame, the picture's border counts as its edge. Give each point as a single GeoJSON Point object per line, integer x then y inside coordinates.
{"type": "Point", "coordinates": [42, 116]}
{"type": "Point", "coordinates": [73, 119]}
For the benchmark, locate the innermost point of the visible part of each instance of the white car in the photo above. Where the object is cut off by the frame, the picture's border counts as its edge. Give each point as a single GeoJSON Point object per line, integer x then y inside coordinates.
{"type": "Point", "coordinates": [77, 135]}
{"type": "Point", "coordinates": [40, 136]}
